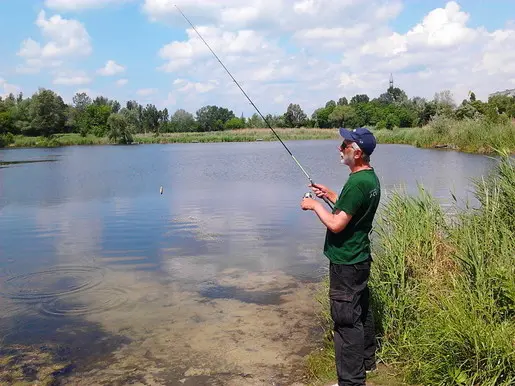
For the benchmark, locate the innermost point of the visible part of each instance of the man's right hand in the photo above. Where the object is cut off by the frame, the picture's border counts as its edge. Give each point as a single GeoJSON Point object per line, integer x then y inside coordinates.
{"type": "Point", "coordinates": [323, 191]}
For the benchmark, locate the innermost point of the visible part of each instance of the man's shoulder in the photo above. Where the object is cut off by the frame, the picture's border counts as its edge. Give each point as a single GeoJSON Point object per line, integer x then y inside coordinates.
{"type": "Point", "coordinates": [364, 179]}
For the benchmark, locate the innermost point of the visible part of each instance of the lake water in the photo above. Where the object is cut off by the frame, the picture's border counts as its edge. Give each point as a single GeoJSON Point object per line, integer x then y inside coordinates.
{"type": "Point", "coordinates": [211, 282]}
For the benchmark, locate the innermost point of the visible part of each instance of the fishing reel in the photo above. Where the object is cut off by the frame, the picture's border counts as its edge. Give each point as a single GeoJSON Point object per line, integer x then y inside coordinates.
{"type": "Point", "coordinates": [308, 195]}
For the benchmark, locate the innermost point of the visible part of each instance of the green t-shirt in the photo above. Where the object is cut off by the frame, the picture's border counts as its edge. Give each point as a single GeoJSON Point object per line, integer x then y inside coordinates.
{"type": "Point", "coordinates": [360, 198]}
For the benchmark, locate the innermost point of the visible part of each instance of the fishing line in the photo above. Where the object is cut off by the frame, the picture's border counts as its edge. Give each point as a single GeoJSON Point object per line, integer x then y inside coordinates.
{"type": "Point", "coordinates": [252, 103]}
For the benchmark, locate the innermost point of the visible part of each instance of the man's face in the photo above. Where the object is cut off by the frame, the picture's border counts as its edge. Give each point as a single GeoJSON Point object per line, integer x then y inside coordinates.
{"type": "Point", "coordinates": [347, 153]}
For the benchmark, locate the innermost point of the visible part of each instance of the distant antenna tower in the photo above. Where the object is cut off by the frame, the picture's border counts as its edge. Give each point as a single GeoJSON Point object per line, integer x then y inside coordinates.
{"type": "Point", "coordinates": [391, 80]}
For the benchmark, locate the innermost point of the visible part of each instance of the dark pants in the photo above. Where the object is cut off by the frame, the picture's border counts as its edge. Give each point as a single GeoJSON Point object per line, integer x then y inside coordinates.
{"type": "Point", "coordinates": [354, 335]}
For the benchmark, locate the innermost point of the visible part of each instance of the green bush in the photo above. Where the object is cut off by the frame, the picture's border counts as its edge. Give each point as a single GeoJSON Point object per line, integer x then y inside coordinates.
{"type": "Point", "coordinates": [6, 139]}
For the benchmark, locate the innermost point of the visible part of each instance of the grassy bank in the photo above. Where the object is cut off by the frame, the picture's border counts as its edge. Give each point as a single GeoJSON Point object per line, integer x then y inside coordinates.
{"type": "Point", "coordinates": [58, 140]}
{"type": "Point", "coordinates": [243, 135]}
{"type": "Point", "coordinates": [474, 136]}
{"type": "Point", "coordinates": [443, 290]}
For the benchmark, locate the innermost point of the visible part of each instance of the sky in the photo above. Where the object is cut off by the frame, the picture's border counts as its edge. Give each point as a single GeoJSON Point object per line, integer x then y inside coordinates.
{"type": "Point", "coordinates": [280, 51]}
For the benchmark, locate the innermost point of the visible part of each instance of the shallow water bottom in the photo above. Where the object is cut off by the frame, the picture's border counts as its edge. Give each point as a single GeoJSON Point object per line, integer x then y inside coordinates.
{"type": "Point", "coordinates": [240, 329]}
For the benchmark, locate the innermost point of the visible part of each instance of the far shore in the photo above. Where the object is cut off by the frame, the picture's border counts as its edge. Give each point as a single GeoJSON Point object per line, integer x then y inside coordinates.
{"type": "Point", "coordinates": [453, 138]}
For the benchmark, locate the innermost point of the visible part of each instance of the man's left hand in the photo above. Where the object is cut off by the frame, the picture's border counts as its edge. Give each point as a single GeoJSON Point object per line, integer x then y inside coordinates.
{"type": "Point", "coordinates": [308, 204]}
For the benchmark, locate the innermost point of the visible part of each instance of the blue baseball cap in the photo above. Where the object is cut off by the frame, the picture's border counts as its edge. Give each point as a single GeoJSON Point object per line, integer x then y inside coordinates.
{"type": "Point", "coordinates": [362, 136]}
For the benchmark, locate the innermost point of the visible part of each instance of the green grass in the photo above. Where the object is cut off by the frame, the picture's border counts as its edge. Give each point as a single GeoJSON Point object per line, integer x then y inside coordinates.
{"type": "Point", "coordinates": [443, 288]}
{"type": "Point", "coordinates": [58, 140]}
{"type": "Point", "coordinates": [474, 136]}
{"type": "Point", "coordinates": [241, 135]}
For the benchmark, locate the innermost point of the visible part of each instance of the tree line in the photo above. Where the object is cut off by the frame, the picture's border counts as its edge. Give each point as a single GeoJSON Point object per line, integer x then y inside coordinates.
{"type": "Point", "coordinates": [45, 113]}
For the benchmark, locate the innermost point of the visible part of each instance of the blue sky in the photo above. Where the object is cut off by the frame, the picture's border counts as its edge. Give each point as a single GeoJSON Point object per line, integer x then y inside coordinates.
{"type": "Point", "coordinates": [299, 51]}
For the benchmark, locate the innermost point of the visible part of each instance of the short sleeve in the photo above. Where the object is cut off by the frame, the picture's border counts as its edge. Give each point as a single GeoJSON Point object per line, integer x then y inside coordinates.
{"type": "Point", "coordinates": [350, 200]}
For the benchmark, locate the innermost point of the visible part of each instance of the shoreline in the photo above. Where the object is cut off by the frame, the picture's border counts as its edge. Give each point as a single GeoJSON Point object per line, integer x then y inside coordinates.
{"type": "Point", "coordinates": [418, 137]}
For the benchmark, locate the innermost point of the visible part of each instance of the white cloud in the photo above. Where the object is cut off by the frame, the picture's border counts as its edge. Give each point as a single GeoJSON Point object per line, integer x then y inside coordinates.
{"type": "Point", "coordinates": [282, 51]}
{"type": "Point", "coordinates": [68, 78]}
{"type": "Point", "coordinates": [183, 54]}
{"type": "Point", "coordinates": [442, 27]}
{"type": "Point", "coordinates": [75, 5]}
{"type": "Point", "coordinates": [184, 85]}
{"type": "Point", "coordinates": [388, 11]}
{"type": "Point", "coordinates": [34, 66]}
{"type": "Point", "coordinates": [63, 39]}
{"type": "Point", "coordinates": [111, 68]}
{"type": "Point", "coordinates": [269, 14]}
{"type": "Point", "coordinates": [122, 82]}
{"type": "Point", "coordinates": [7, 88]}
{"type": "Point", "coordinates": [499, 53]}
{"type": "Point", "coordinates": [146, 91]}
{"type": "Point", "coordinates": [327, 50]}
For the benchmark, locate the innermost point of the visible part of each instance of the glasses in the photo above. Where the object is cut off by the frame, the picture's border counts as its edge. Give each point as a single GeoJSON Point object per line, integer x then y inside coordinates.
{"type": "Point", "coordinates": [344, 146]}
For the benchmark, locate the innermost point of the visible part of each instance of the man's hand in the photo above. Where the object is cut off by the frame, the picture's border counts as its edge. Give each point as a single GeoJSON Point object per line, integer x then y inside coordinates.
{"type": "Point", "coordinates": [308, 204]}
{"type": "Point", "coordinates": [322, 191]}
{"type": "Point", "coordinates": [334, 222]}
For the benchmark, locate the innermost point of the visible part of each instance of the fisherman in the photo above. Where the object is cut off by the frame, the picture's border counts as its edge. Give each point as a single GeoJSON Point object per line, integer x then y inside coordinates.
{"type": "Point", "coordinates": [347, 246]}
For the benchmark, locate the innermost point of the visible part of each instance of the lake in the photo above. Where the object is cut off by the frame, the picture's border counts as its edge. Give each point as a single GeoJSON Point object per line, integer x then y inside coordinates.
{"type": "Point", "coordinates": [211, 282]}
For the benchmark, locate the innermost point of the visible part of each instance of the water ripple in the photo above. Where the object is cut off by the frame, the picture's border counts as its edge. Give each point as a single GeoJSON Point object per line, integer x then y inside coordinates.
{"type": "Point", "coordinates": [97, 301]}
{"type": "Point", "coordinates": [57, 281]}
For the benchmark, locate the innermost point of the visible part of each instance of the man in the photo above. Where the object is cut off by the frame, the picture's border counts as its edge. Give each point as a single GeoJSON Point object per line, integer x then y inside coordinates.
{"type": "Point", "coordinates": [347, 246]}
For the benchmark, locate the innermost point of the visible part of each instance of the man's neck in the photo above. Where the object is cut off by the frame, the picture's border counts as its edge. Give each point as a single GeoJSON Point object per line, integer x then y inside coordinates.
{"type": "Point", "coordinates": [359, 167]}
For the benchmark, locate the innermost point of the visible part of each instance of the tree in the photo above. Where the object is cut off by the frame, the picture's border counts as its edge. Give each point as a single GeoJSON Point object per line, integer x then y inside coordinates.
{"type": "Point", "coordinates": [81, 101]}
{"type": "Point", "coordinates": [78, 119]}
{"type": "Point", "coordinates": [21, 117]}
{"type": "Point", "coordinates": [119, 129]}
{"type": "Point", "coordinates": [392, 121]}
{"type": "Point", "coordinates": [115, 106]}
{"type": "Point", "coordinates": [164, 116]}
{"type": "Point", "coordinates": [466, 110]}
{"type": "Point", "coordinates": [101, 101]}
{"type": "Point", "coordinates": [6, 122]}
{"type": "Point", "coordinates": [445, 104]}
{"type": "Point", "coordinates": [330, 104]}
{"type": "Point", "coordinates": [150, 119]}
{"type": "Point", "coordinates": [503, 104]}
{"type": "Point", "coordinates": [47, 113]}
{"type": "Point", "coordinates": [182, 121]}
{"type": "Point", "coordinates": [276, 120]}
{"type": "Point", "coordinates": [295, 116]}
{"type": "Point", "coordinates": [342, 102]}
{"type": "Point", "coordinates": [255, 121]}
{"type": "Point", "coordinates": [133, 113]}
{"type": "Point", "coordinates": [321, 117]}
{"type": "Point", "coordinates": [96, 119]}
{"type": "Point", "coordinates": [235, 123]}
{"type": "Point", "coordinates": [359, 98]}
{"type": "Point", "coordinates": [342, 115]}
{"type": "Point", "coordinates": [213, 118]}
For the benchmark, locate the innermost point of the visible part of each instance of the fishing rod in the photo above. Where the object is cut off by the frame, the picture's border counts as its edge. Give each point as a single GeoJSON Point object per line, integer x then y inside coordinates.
{"type": "Point", "coordinates": [252, 103]}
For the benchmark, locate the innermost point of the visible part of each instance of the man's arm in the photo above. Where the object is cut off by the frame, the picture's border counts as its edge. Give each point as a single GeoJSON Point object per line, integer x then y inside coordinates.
{"type": "Point", "coordinates": [334, 222]}
{"type": "Point", "coordinates": [322, 190]}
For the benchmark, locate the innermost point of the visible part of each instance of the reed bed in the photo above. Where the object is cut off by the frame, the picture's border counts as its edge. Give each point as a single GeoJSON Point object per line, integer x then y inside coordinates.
{"type": "Point", "coordinates": [472, 136]}
{"type": "Point", "coordinates": [443, 288]}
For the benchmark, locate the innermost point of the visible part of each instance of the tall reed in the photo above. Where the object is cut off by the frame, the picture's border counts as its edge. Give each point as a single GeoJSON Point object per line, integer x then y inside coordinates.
{"type": "Point", "coordinates": [443, 287]}
{"type": "Point", "coordinates": [469, 135]}
{"type": "Point", "coordinates": [445, 290]}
